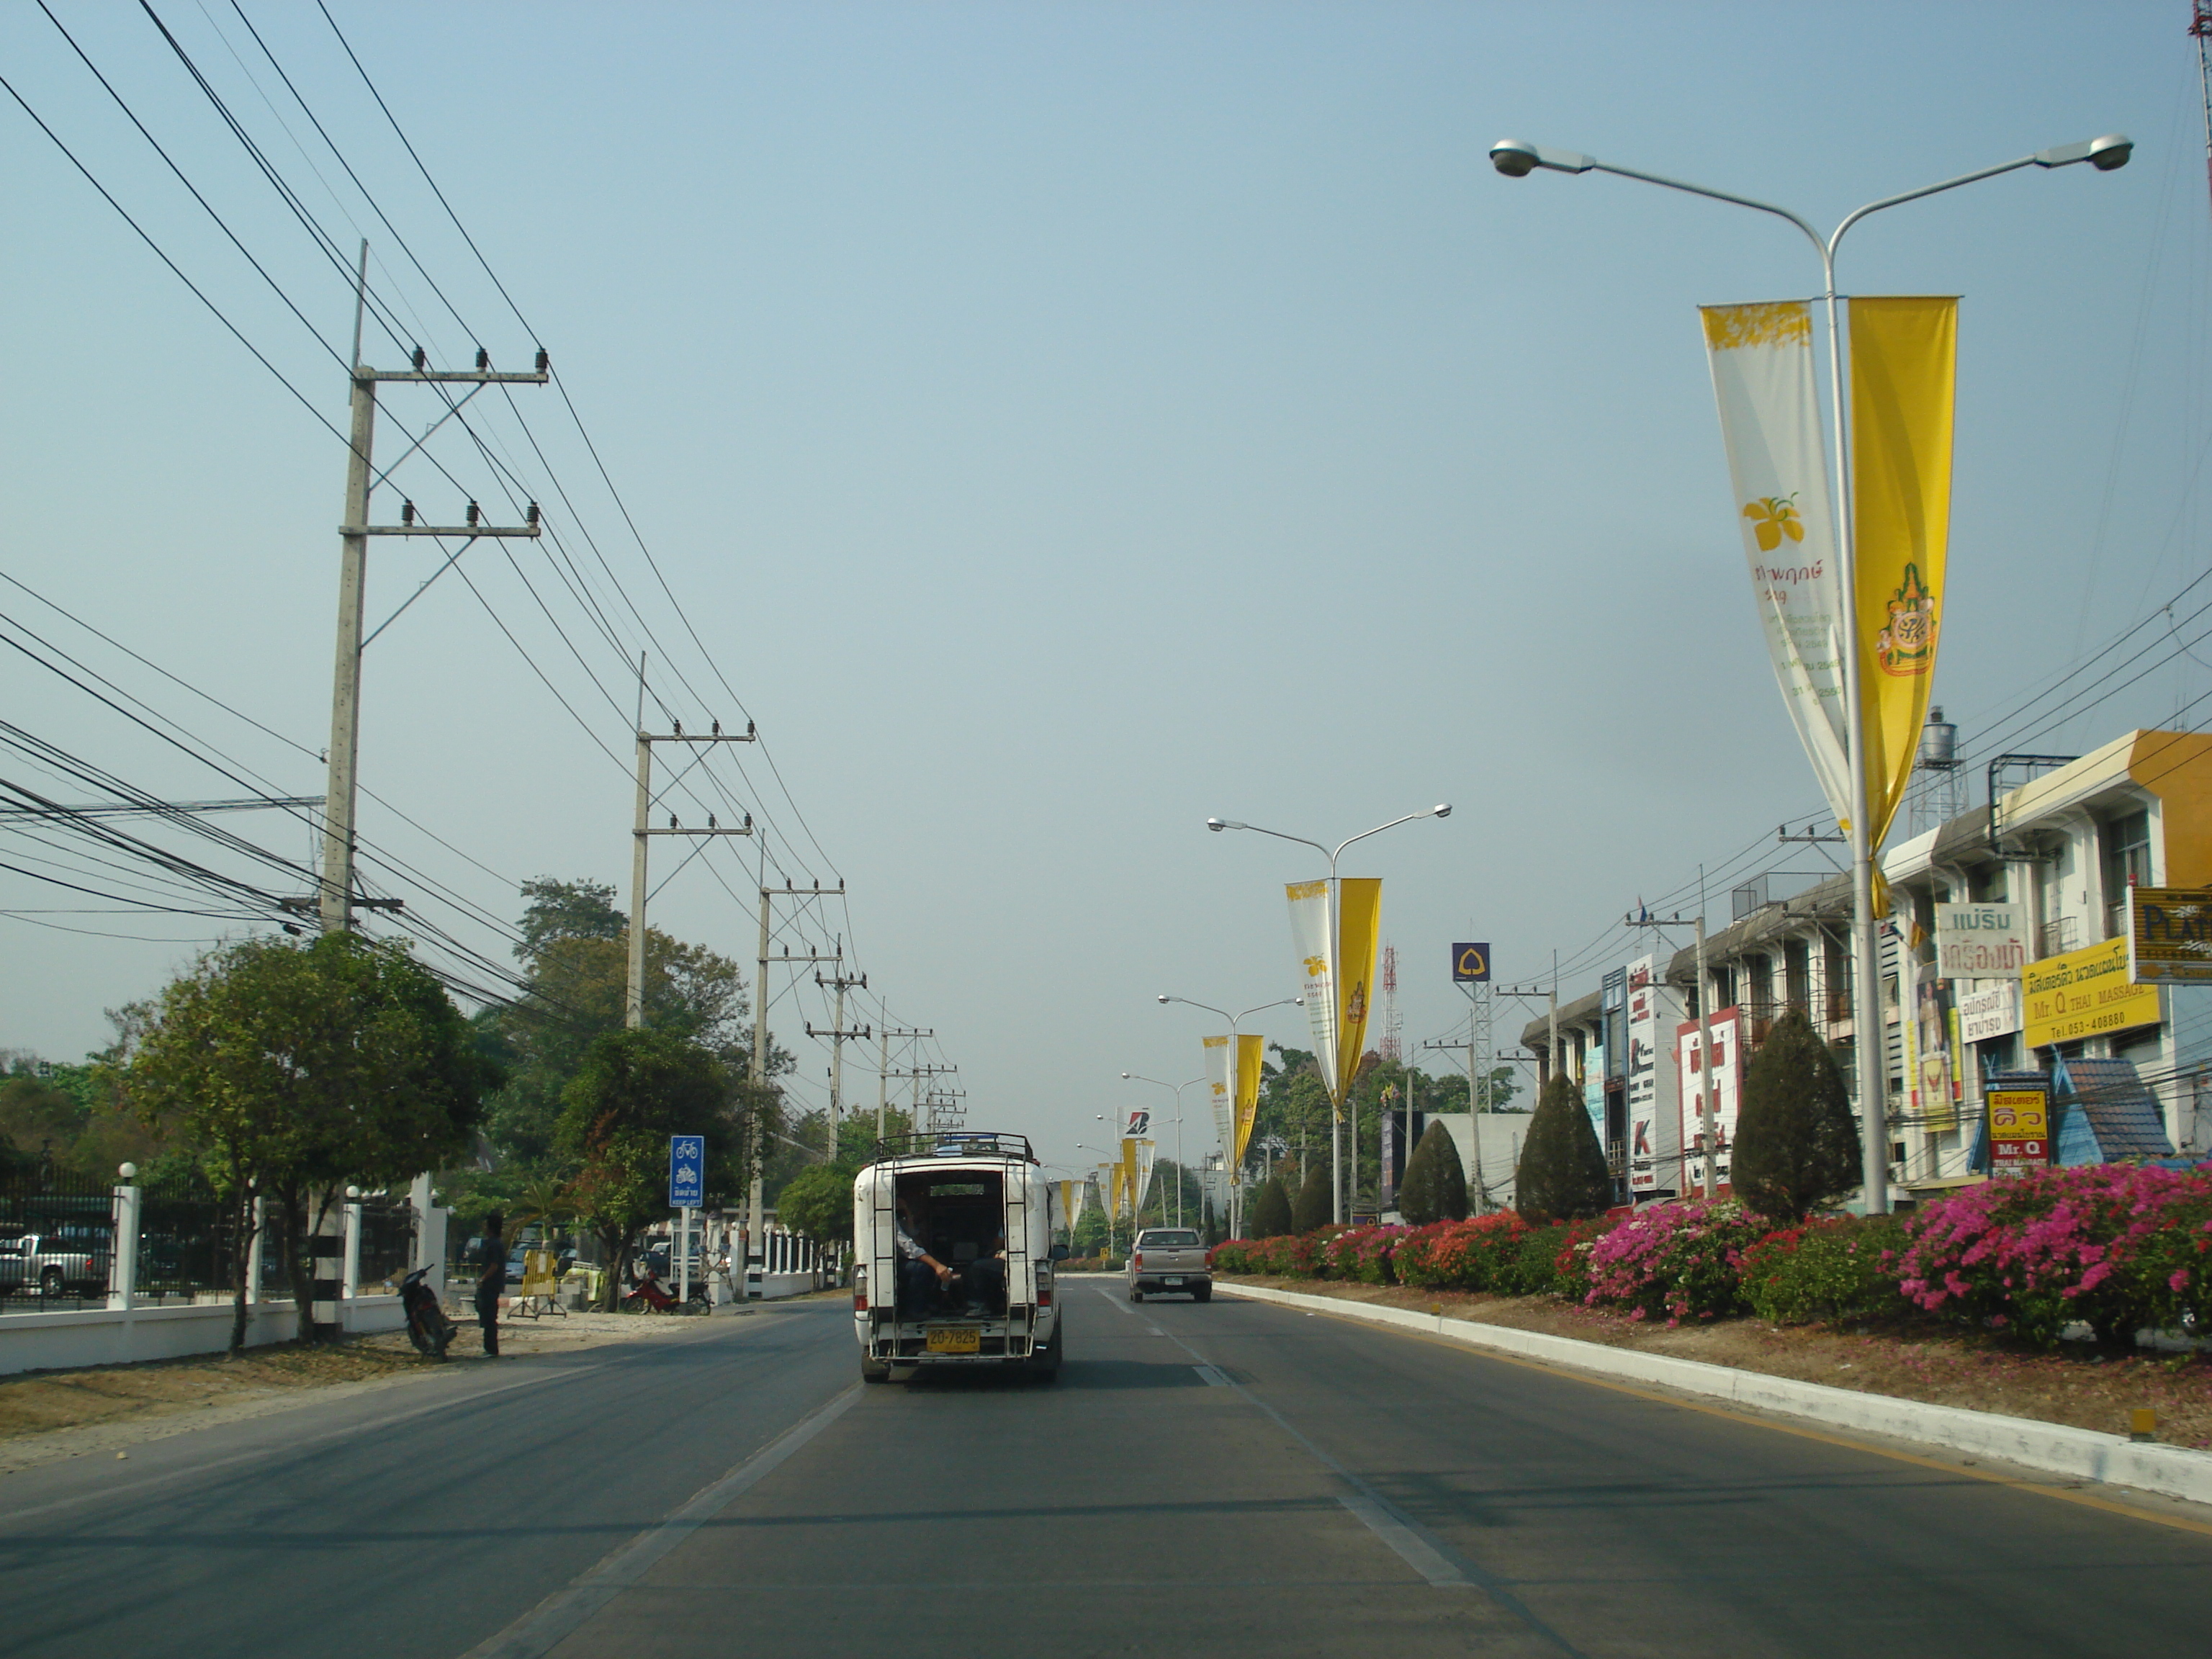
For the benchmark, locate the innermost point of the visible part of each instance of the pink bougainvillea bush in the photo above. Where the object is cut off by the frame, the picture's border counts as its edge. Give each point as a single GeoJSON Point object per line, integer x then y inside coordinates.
{"type": "Point", "coordinates": [1674, 1260]}
{"type": "Point", "coordinates": [2113, 1246]}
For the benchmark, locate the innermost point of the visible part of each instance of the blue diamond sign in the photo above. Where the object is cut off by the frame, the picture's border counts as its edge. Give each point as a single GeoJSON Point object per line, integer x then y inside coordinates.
{"type": "Point", "coordinates": [687, 1171]}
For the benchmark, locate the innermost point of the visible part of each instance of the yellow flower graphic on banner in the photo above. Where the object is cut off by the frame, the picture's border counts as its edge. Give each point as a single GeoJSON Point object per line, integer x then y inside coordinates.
{"type": "Point", "coordinates": [1906, 645]}
{"type": "Point", "coordinates": [1773, 517]}
{"type": "Point", "coordinates": [1315, 967]}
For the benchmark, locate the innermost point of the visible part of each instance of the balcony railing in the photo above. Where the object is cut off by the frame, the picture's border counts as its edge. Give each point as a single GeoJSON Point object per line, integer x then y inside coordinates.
{"type": "Point", "coordinates": [2057, 937]}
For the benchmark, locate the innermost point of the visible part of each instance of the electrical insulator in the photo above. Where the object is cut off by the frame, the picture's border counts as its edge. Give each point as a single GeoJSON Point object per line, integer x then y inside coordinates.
{"type": "Point", "coordinates": [407, 513]}
{"type": "Point", "coordinates": [422, 359]}
{"type": "Point", "coordinates": [531, 517]}
{"type": "Point", "coordinates": [484, 358]}
{"type": "Point", "coordinates": [544, 362]}
{"type": "Point", "coordinates": [472, 512]}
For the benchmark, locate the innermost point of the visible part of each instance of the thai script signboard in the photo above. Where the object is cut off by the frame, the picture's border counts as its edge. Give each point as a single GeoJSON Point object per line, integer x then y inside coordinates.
{"type": "Point", "coordinates": [2019, 1127]}
{"type": "Point", "coordinates": [1980, 941]}
{"type": "Point", "coordinates": [2170, 935]}
{"type": "Point", "coordinates": [2084, 993]}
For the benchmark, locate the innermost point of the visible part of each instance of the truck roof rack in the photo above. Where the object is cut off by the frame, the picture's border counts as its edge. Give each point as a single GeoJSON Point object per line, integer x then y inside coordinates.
{"type": "Point", "coordinates": [955, 1143]}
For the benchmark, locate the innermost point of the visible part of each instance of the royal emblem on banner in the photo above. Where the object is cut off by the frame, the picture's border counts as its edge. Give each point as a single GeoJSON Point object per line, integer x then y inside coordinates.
{"type": "Point", "coordinates": [1906, 645]}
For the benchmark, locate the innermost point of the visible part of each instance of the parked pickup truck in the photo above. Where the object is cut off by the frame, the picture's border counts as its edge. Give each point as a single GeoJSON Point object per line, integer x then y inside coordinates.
{"type": "Point", "coordinates": [30, 1263]}
{"type": "Point", "coordinates": [1171, 1259]}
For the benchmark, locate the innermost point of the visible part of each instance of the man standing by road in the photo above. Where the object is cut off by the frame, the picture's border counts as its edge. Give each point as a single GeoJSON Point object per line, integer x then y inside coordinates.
{"type": "Point", "coordinates": [492, 1282]}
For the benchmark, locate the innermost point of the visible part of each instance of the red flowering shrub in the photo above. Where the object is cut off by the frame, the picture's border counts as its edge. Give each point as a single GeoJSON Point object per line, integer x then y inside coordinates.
{"type": "Point", "coordinates": [1294, 1255]}
{"type": "Point", "coordinates": [1839, 1268]}
{"type": "Point", "coordinates": [1363, 1254]}
{"type": "Point", "coordinates": [1679, 1260]}
{"type": "Point", "coordinates": [2106, 1244]}
{"type": "Point", "coordinates": [1231, 1255]}
{"type": "Point", "coordinates": [1461, 1256]}
{"type": "Point", "coordinates": [1554, 1260]}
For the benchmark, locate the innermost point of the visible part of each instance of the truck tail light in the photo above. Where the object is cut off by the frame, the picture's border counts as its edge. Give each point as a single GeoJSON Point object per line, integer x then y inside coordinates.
{"type": "Point", "coordinates": [1140, 1259]}
{"type": "Point", "coordinates": [1044, 1287]}
{"type": "Point", "coordinates": [860, 1291]}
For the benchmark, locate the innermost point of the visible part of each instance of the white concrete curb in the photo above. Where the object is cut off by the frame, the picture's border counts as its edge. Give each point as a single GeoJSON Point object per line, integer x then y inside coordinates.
{"type": "Point", "coordinates": [2170, 1470]}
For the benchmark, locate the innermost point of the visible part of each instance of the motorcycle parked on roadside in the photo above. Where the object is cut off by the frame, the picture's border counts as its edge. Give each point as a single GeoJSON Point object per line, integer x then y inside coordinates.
{"type": "Point", "coordinates": [649, 1295]}
{"type": "Point", "coordinates": [428, 1328]}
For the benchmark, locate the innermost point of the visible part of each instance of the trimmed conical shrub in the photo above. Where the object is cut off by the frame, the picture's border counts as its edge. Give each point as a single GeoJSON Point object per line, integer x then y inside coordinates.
{"type": "Point", "coordinates": [1796, 1140]}
{"type": "Point", "coordinates": [1435, 1187]}
{"type": "Point", "coordinates": [1313, 1208]}
{"type": "Point", "coordinates": [1562, 1176]}
{"type": "Point", "coordinates": [1271, 1211]}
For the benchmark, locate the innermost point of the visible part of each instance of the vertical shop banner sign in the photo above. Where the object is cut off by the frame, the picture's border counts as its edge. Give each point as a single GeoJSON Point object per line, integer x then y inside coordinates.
{"type": "Point", "coordinates": [1904, 378]}
{"type": "Point", "coordinates": [1648, 1148]}
{"type": "Point", "coordinates": [1726, 1089]}
{"type": "Point", "coordinates": [1980, 941]}
{"type": "Point", "coordinates": [1221, 1091]}
{"type": "Point", "coordinates": [1316, 954]}
{"type": "Point", "coordinates": [1761, 357]}
{"type": "Point", "coordinates": [1935, 1072]}
{"type": "Point", "coordinates": [2019, 1129]}
{"type": "Point", "coordinates": [1251, 1059]}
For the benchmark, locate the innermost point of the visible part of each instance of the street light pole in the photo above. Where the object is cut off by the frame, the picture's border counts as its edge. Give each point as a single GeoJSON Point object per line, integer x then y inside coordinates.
{"type": "Point", "coordinates": [1235, 1175]}
{"type": "Point", "coordinates": [1516, 160]}
{"type": "Point", "coordinates": [1337, 1204]}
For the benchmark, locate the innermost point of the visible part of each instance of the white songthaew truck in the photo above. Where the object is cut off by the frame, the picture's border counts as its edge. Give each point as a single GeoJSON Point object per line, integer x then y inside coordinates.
{"type": "Point", "coordinates": [953, 1237]}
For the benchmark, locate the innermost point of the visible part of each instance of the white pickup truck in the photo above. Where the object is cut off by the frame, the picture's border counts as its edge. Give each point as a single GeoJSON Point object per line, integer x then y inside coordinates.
{"type": "Point", "coordinates": [978, 1206]}
{"type": "Point", "coordinates": [1171, 1259]}
{"type": "Point", "coordinates": [30, 1262]}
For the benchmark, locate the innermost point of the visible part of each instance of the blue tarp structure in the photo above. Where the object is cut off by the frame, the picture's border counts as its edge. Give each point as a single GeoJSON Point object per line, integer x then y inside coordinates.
{"type": "Point", "coordinates": [2103, 1113]}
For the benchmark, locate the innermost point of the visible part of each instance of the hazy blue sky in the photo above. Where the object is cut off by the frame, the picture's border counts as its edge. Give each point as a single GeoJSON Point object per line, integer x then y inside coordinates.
{"type": "Point", "coordinates": [1061, 423]}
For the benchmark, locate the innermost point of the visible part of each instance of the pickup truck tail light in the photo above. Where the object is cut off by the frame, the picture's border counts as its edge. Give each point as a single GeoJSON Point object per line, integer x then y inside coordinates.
{"type": "Point", "coordinates": [1044, 1287]}
{"type": "Point", "coordinates": [861, 1292]}
{"type": "Point", "coordinates": [1141, 1261]}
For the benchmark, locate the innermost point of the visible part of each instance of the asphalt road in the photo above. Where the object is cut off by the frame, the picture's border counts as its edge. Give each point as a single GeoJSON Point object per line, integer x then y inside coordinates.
{"type": "Point", "coordinates": [1232, 1477]}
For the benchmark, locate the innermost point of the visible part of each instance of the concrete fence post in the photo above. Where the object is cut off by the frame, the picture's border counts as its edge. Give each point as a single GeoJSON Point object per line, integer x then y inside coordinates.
{"type": "Point", "coordinates": [123, 1268]}
{"type": "Point", "coordinates": [255, 1253]}
{"type": "Point", "coordinates": [351, 1284]}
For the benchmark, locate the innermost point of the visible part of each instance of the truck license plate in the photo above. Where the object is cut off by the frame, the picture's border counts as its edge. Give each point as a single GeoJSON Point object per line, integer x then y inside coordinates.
{"type": "Point", "coordinates": [955, 1338]}
{"type": "Point", "coordinates": [1176, 1279]}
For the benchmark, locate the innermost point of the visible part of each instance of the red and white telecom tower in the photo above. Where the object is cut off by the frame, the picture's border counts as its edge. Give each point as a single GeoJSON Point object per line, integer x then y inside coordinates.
{"type": "Point", "coordinates": [1389, 1047]}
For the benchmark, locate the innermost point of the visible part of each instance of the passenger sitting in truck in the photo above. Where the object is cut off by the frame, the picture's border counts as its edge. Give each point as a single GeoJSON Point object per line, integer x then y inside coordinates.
{"type": "Point", "coordinates": [922, 1277]}
{"type": "Point", "coordinates": [984, 1277]}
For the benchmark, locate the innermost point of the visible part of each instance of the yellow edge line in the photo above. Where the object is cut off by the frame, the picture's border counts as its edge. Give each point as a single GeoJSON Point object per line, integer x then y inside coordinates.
{"type": "Point", "coordinates": [2063, 1495]}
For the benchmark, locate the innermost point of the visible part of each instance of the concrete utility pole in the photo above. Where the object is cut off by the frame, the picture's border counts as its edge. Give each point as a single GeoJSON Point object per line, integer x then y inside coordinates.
{"type": "Point", "coordinates": [884, 1074]}
{"type": "Point", "coordinates": [633, 990]}
{"type": "Point", "coordinates": [838, 1037]}
{"type": "Point", "coordinates": [1473, 1124]}
{"type": "Point", "coordinates": [336, 901]}
{"type": "Point", "coordinates": [757, 1156]}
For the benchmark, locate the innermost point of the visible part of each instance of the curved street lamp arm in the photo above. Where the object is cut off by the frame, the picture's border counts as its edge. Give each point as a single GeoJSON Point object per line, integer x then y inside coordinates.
{"type": "Point", "coordinates": [1376, 830]}
{"type": "Point", "coordinates": [1932, 190]}
{"type": "Point", "coordinates": [1208, 1006]}
{"type": "Point", "coordinates": [1279, 1002]}
{"type": "Point", "coordinates": [1812, 236]}
{"type": "Point", "coordinates": [1280, 836]}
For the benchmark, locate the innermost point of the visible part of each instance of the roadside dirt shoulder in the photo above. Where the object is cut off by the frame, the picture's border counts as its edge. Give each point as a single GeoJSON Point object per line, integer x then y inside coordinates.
{"type": "Point", "coordinates": [1940, 1367]}
{"type": "Point", "coordinates": [105, 1410]}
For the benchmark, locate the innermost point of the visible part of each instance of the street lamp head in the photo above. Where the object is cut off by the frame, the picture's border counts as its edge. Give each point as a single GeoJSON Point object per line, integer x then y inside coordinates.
{"type": "Point", "coordinates": [1215, 824]}
{"type": "Point", "coordinates": [1125, 1076]}
{"type": "Point", "coordinates": [2106, 155]}
{"type": "Point", "coordinates": [1517, 160]}
{"type": "Point", "coordinates": [1301, 1001]}
{"type": "Point", "coordinates": [1443, 810]}
{"type": "Point", "coordinates": [1165, 999]}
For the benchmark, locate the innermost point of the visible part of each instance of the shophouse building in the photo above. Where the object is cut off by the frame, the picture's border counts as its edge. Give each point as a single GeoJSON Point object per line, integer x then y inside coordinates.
{"type": "Point", "coordinates": [2130, 1067]}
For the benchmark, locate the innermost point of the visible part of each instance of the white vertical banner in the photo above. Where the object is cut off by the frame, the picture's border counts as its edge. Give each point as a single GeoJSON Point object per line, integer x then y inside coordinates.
{"type": "Point", "coordinates": [1221, 1092]}
{"type": "Point", "coordinates": [1762, 365]}
{"type": "Point", "coordinates": [1317, 951]}
{"type": "Point", "coordinates": [1145, 1152]}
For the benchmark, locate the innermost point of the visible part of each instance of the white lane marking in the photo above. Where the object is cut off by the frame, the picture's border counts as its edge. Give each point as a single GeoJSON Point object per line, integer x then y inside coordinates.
{"type": "Point", "coordinates": [1210, 1377]}
{"type": "Point", "coordinates": [561, 1614]}
{"type": "Point", "coordinates": [1154, 1330]}
{"type": "Point", "coordinates": [1116, 1304]}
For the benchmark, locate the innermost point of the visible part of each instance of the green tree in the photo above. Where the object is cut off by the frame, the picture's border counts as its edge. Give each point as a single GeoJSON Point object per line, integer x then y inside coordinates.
{"type": "Point", "coordinates": [818, 1202]}
{"type": "Point", "coordinates": [1313, 1208]}
{"type": "Point", "coordinates": [1796, 1139]}
{"type": "Point", "coordinates": [1435, 1187]}
{"type": "Point", "coordinates": [294, 1069]}
{"type": "Point", "coordinates": [1563, 1176]}
{"type": "Point", "coordinates": [636, 1088]}
{"type": "Point", "coordinates": [1270, 1216]}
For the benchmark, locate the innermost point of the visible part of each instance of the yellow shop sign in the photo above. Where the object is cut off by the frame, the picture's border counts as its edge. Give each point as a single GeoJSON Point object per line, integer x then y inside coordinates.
{"type": "Point", "coordinates": [2084, 993]}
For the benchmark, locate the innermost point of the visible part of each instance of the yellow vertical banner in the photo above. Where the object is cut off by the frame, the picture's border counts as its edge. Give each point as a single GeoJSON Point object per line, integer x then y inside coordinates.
{"type": "Point", "coordinates": [1904, 362]}
{"type": "Point", "coordinates": [1251, 1058]}
{"type": "Point", "coordinates": [1127, 1172]}
{"type": "Point", "coordinates": [1359, 933]}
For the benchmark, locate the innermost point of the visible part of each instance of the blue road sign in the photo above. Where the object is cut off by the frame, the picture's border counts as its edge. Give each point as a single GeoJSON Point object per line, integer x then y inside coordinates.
{"type": "Point", "coordinates": [1471, 964]}
{"type": "Point", "coordinates": [687, 1171]}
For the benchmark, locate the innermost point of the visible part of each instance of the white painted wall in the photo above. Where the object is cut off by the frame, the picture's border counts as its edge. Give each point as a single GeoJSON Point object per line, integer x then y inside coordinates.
{"type": "Point", "coordinates": [113, 1336]}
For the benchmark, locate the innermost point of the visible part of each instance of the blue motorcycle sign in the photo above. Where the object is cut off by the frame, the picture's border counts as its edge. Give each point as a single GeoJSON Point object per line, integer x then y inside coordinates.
{"type": "Point", "coordinates": [687, 1171]}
